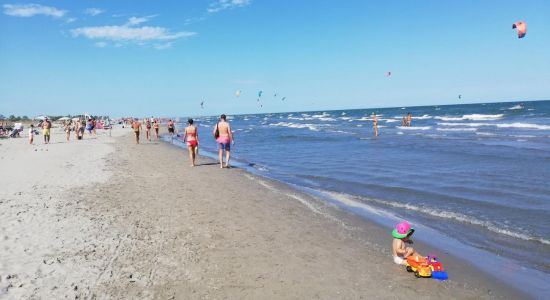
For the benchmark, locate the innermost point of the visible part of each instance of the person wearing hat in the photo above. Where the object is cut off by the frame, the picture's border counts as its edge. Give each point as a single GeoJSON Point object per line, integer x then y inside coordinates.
{"type": "Point", "coordinates": [46, 126]}
{"type": "Point", "coordinates": [401, 235]}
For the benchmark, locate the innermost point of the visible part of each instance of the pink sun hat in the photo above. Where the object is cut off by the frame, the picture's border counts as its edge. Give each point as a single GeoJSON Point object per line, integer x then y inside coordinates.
{"type": "Point", "coordinates": [402, 230]}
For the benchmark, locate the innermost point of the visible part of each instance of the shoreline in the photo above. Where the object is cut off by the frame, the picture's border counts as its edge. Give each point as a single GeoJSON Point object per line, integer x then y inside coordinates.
{"type": "Point", "coordinates": [153, 227]}
{"type": "Point", "coordinates": [457, 267]}
{"type": "Point", "coordinates": [525, 281]}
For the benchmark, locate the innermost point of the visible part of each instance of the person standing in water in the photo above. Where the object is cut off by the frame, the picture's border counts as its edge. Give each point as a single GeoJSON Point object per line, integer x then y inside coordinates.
{"type": "Point", "coordinates": [375, 124]}
{"type": "Point", "coordinates": [224, 139]}
{"type": "Point", "coordinates": [136, 125]}
{"type": "Point", "coordinates": [191, 136]}
{"type": "Point", "coordinates": [409, 119]}
{"type": "Point", "coordinates": [171, 129]}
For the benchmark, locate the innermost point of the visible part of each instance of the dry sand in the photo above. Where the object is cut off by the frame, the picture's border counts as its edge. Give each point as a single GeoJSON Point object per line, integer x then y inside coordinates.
{"type": "Point", "coordinates": [104, 218]}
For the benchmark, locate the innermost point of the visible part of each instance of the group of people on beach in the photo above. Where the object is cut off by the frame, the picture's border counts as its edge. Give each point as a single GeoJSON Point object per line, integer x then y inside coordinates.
{"type": "Point", "coordinates": [78, 126]}
{"type": "Point", "coordinates": [222, 133]}
{"type": "Point", "coordinates": [150, 123]}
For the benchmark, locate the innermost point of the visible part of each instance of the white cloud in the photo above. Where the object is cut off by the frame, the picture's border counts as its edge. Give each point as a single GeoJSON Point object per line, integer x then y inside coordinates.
{"type": "Point", "coordinates": [30, 10]}
{"type": "Point", "coordinates": [130, 34]}
{"type": "Point", "coordinates": [93, 11]}
{"type": "Point", "coordinates": [138, 20]}
{"type": "Point", "coordinates": [70, 20]}
{"type": "Point", "coordinates": [220, 5]}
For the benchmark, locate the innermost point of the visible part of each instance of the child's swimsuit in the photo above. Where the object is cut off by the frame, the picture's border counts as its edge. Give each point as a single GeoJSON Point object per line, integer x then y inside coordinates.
{"type": "Point", "coordinates": [399, 260]}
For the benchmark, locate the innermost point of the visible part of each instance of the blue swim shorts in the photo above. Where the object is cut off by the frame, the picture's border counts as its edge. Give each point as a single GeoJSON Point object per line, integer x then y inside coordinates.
{"type": "Point", "coordinates": [224, 146]}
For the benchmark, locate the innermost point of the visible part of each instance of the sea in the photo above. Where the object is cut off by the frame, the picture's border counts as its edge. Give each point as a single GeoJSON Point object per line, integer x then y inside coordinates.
{"type": "Point", "coordinates": [473, 179]}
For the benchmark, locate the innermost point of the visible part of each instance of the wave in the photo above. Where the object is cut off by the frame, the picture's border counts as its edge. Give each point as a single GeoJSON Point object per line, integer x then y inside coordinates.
{"type": "Point", "coordinates": [487, 225]}
{"type": "Point", "coordinates": [424, 117]}
{"type": "Point", "coordinates": [471, 117]}
{"type": "Point", "coordinates": [312, 127]}
{"type": "Point", "coordinates": [456, 129]}
{"type": "Point", "coordinates": [524, 125]}
{"type": "Point", "coordinates": [516, 107]}
{"type": "Point", "coordinates": [485, 133]}
{"type": "Point", "coordinates": [389, 120]}
{"type": "Point", "coordinates": [414, 127]}
{"type": "Point", "coordinates": [501, 125]}
{"type": "Point", "coordinates": [323, 115]}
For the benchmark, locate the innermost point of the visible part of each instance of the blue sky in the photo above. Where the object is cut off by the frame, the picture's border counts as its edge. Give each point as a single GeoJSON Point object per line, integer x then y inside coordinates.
{"type": "Point", "coordinates": [132, 57]}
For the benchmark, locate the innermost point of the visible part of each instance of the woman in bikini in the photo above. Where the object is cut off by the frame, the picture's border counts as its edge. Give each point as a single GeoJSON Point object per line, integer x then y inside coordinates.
{"type": "Point", "coordinates": [156, 126]}
{"type": "Point", "coordinates": [224, 138]}
{"type": "Point", "coordinates": [68, 129]}
{"type": "Point", "coordinates": [191, 136]}
{"type": "Point", "coordinates": [148, 129]}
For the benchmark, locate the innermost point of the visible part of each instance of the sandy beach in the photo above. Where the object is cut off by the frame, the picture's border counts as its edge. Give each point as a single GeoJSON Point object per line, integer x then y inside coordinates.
{"type": "Point", "coordinates": [104, 218]}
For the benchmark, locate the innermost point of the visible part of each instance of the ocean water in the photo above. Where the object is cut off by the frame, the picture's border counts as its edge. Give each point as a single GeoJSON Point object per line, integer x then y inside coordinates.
{"type": "Point", "coordinates": [476, 174]}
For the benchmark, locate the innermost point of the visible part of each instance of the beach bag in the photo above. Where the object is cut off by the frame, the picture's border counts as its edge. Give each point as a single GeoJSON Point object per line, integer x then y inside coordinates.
{"type": "Point", "coordinates": [217, 133]}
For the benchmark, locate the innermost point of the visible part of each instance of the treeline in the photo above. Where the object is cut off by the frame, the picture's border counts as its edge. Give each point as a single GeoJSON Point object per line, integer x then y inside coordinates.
{"type": "Point", "coordinates": [13, 118]}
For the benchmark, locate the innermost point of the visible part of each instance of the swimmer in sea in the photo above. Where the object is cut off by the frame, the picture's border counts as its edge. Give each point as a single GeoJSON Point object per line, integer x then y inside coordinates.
{"type": "Point", "coordinates": [375, 124]}
{"type": "Point", "coordinates": [224, 139]}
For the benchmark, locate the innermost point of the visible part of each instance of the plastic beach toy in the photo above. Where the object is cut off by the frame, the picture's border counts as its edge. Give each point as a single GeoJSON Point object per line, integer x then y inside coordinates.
{"type": "Point", "coordinates": [437, 268]}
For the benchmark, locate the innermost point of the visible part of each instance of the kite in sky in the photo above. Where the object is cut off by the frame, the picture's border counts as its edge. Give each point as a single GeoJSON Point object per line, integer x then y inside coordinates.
{"type": "Point", "coordinates": [202, 104]}
{"type": "Point", "coordinates": [237, 93]}
{"type": "Point", "coordinates": [521, 28]}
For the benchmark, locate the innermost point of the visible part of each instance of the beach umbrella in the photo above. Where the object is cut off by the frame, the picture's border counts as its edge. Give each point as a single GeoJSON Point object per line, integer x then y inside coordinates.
{"type": "Point", "coordinates": [40, 118]}
{"type": "Point", "coordinates": [63, 119]}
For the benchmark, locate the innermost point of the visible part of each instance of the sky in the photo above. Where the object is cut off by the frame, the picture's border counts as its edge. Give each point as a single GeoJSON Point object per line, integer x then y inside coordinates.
{"type": "Point", "coordinates": [163, 58]}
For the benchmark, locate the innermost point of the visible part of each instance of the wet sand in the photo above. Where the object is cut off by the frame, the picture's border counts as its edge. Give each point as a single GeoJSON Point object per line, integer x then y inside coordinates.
{"type": "Point", "coordinates": [105, 218]}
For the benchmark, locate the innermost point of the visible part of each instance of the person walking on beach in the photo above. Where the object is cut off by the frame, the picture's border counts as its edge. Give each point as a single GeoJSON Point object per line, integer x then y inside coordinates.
{"type": "Point", "coordinates": [191, 136]}
{"type": "Point", "coordinates": [148, 129]}
{"type": "Point", "coordinates": [136, 125]}
{"type": "Point", "coordinates": [90, 126]}
{"type": "Point", "coordinates": [375, 124]}
{"type": "Point", "coordinates": [94, 126]}
{"type": "Point", "coordinates": [31, 134]}
{"type": "Point", "coordinates": [171, 128]}
{"type": "Point", "coordinates": [224, 139]}
{"type": "Point", "coordinates": [156, 126]}
{"type": "Point", "coordinates": [81, 128]}
{"type": "Point", "coordinates": [68, 129]}
{"type": "Point", "coordinates": [46, 127]}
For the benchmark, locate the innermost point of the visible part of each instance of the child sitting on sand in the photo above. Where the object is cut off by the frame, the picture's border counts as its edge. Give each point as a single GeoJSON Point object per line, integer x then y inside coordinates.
{"type": "Point", "coordinates": [401, 235]}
